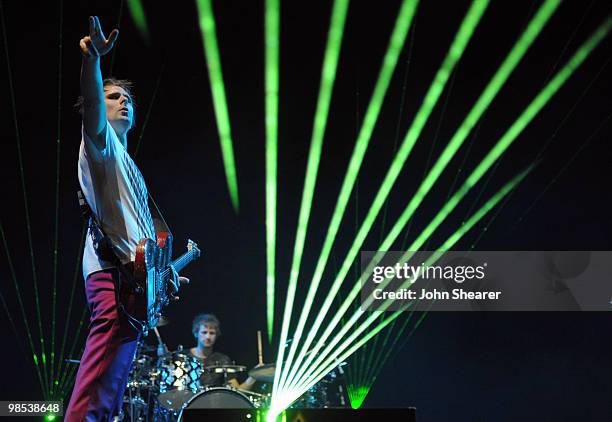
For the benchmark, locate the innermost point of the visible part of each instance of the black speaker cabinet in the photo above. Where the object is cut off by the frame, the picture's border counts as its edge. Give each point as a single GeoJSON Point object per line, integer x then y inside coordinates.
{"type": "Point", "coordinates": [301, 415]}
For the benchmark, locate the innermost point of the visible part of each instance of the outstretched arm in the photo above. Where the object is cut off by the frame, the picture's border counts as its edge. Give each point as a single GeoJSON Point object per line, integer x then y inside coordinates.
{"type": "Point", "coordinates": [94, 110]}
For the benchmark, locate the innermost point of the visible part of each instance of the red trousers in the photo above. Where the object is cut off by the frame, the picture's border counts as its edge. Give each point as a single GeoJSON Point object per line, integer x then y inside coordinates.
{"type": "Point", "coordinates": [109, 350]}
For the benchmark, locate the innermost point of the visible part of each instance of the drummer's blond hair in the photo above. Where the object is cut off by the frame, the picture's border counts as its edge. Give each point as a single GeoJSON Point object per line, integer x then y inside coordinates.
{"type": "Point", "coordinates": [205, 319]}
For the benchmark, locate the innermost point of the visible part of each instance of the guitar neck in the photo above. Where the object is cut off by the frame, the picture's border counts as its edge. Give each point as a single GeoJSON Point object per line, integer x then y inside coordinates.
{"type": "Point", "coordinates": [181, 262]}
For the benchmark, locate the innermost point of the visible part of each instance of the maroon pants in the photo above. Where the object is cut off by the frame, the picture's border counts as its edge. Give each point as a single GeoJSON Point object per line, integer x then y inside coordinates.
{"type": "Point", "coordinates": [102, 376]}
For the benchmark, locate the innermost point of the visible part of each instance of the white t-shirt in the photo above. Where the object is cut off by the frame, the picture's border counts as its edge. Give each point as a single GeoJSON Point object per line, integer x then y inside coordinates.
{"type": "Point", "coordinates": [116, 192]}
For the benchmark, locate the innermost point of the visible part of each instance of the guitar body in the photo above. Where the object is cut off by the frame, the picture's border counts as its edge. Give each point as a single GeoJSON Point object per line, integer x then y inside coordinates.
{"type": "Point", "coordinates": [153, 274]}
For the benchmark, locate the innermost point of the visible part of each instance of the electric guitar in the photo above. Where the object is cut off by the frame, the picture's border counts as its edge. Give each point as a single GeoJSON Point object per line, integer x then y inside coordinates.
{"type": "Point", "coordinates": [153, 275]}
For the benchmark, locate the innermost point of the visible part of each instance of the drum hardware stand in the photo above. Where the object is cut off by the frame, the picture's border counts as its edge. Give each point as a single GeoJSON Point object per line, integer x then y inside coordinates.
{"type": "Point", "coordinates": [161, 347]}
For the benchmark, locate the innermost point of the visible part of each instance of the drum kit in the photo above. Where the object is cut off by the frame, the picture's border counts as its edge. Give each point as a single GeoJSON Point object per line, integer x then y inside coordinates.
{"type": "Point", "coordinates": [160, 388]}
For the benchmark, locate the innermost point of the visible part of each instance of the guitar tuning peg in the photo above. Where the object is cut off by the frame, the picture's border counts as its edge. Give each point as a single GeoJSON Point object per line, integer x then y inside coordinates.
{"type": "Point", "coordinates": [175, 298]}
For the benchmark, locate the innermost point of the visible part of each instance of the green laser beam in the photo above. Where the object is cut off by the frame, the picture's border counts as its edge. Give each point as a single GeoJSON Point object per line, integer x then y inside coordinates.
{"type": "Point", "coordinates": [67, 384]}
{"type": "Point", "coordinates": [74, 343]}
{"type": "Point", "coordinates": [368, 352]}
{"type": "Point", "coordinates": [328, 77]}
{"type": "Point", "coordinates": [448, 207]}
{"type": "Point", "coordinates": [44, 386]}
{"type": "Point", "coordinates": [455, 52]}
{"type": "Point", "coordinates": [416, 245]}
{"type": "Point", "coordinates": [69, 372]}
{"type": "Point", "coordinates": [550, 139]}
{"type": "Point", "coordinates": [373, 357]}
{"type": "Point", "coordinates": [213, 60]}
{"type": "Point", "coordinates": [367, 367]}
{"type": "Point", "coordinates": [400, 115]}
{"type": "Point", "coordinates": [565, 118]}
{"type": "Point", "coordinates": [385, 353]}
{"type": "Point", "coordinates": [569, 41]}
{"type": "Point", "coordinates": [282, 401]}
{"type": "Point", "coordinates": [377, 370]}
{"type": "Point", "coordinates": [320, 362]}
{"type": "Point", "coordinates": [367, 349]}
{"type": "Point", "coordinates": [114, 51]}
{"type": "Point", "coordinates": [65, 373]}
{"type": "Point", "coordinates": [494, 216]}
{"type": "Point", "coordinates": [425, 313]}
{"type": "Point", "coordinates": [473, 140]}
{"type": "Point", "coordinates": [9, 316]}
{"type": "Point", "coordinates": [150, 107]}
{"type": "Point", "coordinates": [462, 167]}
{"type": "Point", "coordinates": [553, 86]}
{"type": "Point", "coordinates": [357, 395]}
{"type": "Point", "coordinates": [483, 102]}
{"type": "Point", "coordinates": [19, 296]}
{"type": "Point", "coordinates": [272, 50]}
{"type": "Point", "coordinates": [434, 143]}
{"type": "Point", "coordinates": [565, 166]}
{"type": "Point", "coordinates": [373, 368]}
{"type": "Point", "coordinates": [57, 190]}
{"type": "Point", "coordinates": [480, 106]}
{"type": "Point", "coordinates": [349, 372]}
{"type": "Point", "coordinates": [573, 108]}
{"type": "Point", "coordinates": [316, 370]}
{"type": "Point", "coordinates": [391, 349]}
{"type": "Point", "coordinates": [138, 16]}
{"type": "Point", "coordinates": [542, 98]}
{"type": "Point", "coordinates": [356, 227]}
{"type": "Point", "coordinates": [378, 361]}
{"type": "Point", "coordinates": [77, 266]}
{"type": "Point", "coordinates": [396, 42]}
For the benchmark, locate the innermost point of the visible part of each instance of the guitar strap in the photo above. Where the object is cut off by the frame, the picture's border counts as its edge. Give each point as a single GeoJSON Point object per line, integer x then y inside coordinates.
{"type": "Point", "coordinates": [103, 245]}
{"type": "Point", "coordinates": [159, 223]}
{"type": "Point", "coordinates": [105, 250]}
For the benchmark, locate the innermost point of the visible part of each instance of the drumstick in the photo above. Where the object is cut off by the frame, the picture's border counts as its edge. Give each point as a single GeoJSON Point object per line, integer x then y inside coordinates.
{"type": "Point", "coordinates": [259, 348]}
{"type": "Point", "coordinates": [159, 339]}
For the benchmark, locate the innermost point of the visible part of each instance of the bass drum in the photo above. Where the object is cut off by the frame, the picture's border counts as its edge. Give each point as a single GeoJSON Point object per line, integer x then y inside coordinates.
{"type": "Point", "coordinates": [218, 398]}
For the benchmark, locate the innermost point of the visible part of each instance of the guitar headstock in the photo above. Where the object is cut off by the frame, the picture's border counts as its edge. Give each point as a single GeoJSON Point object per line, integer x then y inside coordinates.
{"type": "Point", "coordinates": [193, 247]}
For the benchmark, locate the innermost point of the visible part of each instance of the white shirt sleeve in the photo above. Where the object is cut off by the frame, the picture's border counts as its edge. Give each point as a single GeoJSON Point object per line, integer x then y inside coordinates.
{"type": "Point", "coordinates": [110, 147]}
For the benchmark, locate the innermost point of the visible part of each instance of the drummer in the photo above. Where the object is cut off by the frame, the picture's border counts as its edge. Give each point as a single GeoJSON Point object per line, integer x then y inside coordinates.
{"type": "Point", "coordinates": [206, 328]}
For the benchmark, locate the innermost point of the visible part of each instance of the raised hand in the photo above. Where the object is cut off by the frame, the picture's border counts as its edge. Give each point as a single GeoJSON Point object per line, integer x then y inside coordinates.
{"type": "Point", "coordinates": [95, 44]}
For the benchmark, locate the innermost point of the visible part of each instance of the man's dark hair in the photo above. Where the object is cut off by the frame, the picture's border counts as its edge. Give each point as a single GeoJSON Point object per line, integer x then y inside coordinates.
{"type": "Point", "coordinates": [205, 319]}
{"type": "Point", "coordinates": [121, 83]}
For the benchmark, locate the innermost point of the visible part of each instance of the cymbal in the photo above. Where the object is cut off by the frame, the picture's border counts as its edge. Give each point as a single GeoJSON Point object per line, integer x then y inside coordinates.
{"type": "Point", "coordinates": [224, 369]}
{"type": "Point", "coordinates": [178, 354]}
{"type": "Point", "coordinates": [264, 373]}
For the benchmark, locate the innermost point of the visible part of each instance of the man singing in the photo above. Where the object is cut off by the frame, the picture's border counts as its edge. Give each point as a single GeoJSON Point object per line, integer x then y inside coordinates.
{"type": "Point", "coordinates": [117, 195]}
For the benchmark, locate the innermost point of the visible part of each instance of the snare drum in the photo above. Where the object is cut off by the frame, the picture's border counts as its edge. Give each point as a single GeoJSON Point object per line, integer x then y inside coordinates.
{"type": "Point", "coordinates": [218, 398]}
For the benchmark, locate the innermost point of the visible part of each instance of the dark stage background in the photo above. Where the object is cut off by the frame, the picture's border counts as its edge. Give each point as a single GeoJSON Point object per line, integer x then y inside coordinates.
{"type": "Point", "coordinates": [463, 366]}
